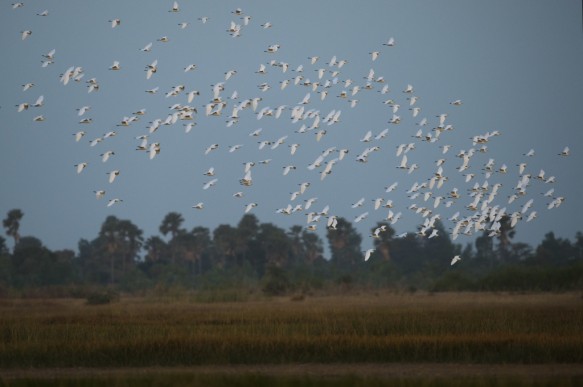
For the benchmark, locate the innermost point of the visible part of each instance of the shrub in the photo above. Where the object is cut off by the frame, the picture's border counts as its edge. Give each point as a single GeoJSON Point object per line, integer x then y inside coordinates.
{"type": "Point", "coordinates": [102, 297]}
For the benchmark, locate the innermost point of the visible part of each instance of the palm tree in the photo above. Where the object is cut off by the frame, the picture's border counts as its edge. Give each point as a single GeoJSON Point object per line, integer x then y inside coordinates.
{"type": "Point", "coordinates": [247, 230]}
{"type": "Point", "coordinates": [3, 247]}
{"type": "Point", "coordinates": [295, 237]}
{"type": "Point", "coordinates": [275, 244]}
{"type": "Point", "coordinates": [345, 245]}
{"type": "Point", "coordinates": [202, 243]}
{"type": "Point", "coordinates": [131, 242]}
{"type": "Point", "coordinates": [312, 246]}
{"type": "Point", "coordinates": [225, 242]}
{"type": "Point", "coordinates": [171, 224]}
{"type": "Point", "coordinates": [12, 224]}
{"type": "Point", "coordinates": [504, 238]}
{"type": "Point", "coordinates": [109, 233]}
{"type": "Point", "coordinates": [382, 242]}
{"type": "Point", "coordinates": [155, 247]}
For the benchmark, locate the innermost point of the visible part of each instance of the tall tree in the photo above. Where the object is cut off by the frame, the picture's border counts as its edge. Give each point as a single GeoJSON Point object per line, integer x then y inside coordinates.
{"type": "Point", "coordinates": [439, 251]}
{"type": "Point", "coordinates": [131, 243]}
{"type": "Point", "coordinates": [485, 250]}
{"type": "Point", "coordinates": [3, 247]}
{"type": "Point", "coordinates": [35, 265]}
{"type": "Point", "coordinates": [345, 245]}
{"type": "Point", "coordinates": [505, 235]}
{"type": "Point", "coordinates": [225, 240]}
{"type": "Point", "coordinates": [579, 245]}
{"type": "Point", "coordinates": [156, 249]}
{"type": "Point", "coordinates": [109, 234]}
{"type": "Point", "coordinates": [171, 225]}
{"type": "Point", "coordinates": [312, 246]}
{"type": "Point", "coordinates": [12, 224]}
{"type": "Point", "coordinates": [408, 254]}
{"type": "Point", "coordinates": [383, 239]}
{"type": "Point", "coordinates": [5, 264]}
{"type": "Point", "coordinates": [275, 244]}
{"type": "Point", "coordinates": [191, 246]}
{"type": "Point", "coordinates": [553, 250]}
{"type": "Point", "coordinates": [246, 247]}
{"type": "Point", "coordinates": [297, 247]}
{"type": "Point", "coordinates": [122, 241]}
{"type": "Point", "coordinates": [202, 243]}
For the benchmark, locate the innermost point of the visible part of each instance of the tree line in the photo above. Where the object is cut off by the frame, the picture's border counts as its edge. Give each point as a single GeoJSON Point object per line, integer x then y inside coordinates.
{"type": "Point", "coordinates": [278, 261]}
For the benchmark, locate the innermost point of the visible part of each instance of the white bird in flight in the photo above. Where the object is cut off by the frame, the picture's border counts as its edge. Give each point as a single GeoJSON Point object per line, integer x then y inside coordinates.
{"type": "Point", "coordinates": [210, 184]}
{"type": "Point", "coordinates": [250, 206]}
{"type": "Point", "coordinates": [114, 201]}
{"type": "Point", "coordinates": [81, 167]}
{"type": "Point", "coordinates": [112, 175]}
{"type": "Point", "coordinates": [565, 152]}
{"type": "Point", "coordinates": [367, 254]}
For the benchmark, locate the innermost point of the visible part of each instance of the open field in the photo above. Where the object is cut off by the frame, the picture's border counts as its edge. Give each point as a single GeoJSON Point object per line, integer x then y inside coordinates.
{"type": "Point", "coordinates": [385, 374]}
{"type": "Point", "coordinates": [375, 336]}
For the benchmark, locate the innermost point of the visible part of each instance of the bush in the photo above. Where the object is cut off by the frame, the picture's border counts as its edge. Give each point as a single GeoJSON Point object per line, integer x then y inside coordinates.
{"type": "Point", "coordinates": [276, 282]}
{"type": "Point", "coordinates": [453, 282]}
{"type": "Point", "coordinates": [102, 297]}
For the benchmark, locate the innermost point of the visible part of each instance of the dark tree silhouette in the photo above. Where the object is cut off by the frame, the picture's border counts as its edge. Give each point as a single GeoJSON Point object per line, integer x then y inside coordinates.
{"type": "Point", "coordinates": [12, 224]}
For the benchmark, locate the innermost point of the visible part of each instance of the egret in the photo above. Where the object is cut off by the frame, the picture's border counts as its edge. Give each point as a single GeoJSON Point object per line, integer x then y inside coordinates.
{"type": "Point", "coordinates": [115, 66]}
{"type": "Point", "coordinates": [361, 217]}
{"type": "Point", "coordinates": [287, 169]}
{"type": "Point", "coordinates": [114, 201]}
{"type": "Point", "coordinates": [565, 152]}
{"type": "Point", "coordinates": [147, 47]}
{"type": "Point", "coordinates": [250, 206]}
{"type": "Point", "coordinates": [368, 253]}
{"type": "Point", "coordinates": [112, 175]}
{"type": "Point", "coordinates": [81, 167]}
{"type": "Point", "coordinates": [211, 148]}
{"type": "Point", "coordinates": [105, 156]}
{"type": "Point", "coordinates": [210, 184]}
{"type": "Point", "coordinates": [390, 42]}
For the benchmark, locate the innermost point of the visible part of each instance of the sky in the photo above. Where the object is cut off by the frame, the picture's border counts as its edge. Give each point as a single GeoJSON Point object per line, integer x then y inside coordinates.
{"type": "Point", "coordinates": [516, 67]}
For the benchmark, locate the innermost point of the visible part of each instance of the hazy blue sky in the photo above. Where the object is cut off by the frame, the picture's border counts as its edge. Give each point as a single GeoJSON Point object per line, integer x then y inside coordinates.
{"type": "Point", "coordinates": [516, 65]}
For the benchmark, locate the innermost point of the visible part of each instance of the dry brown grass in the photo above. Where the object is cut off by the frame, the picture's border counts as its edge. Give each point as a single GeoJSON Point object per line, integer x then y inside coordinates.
{"type": "Point", "coordinates": [369, 328]}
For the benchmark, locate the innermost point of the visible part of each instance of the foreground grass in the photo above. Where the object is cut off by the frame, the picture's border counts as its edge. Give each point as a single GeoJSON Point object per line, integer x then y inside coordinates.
{"type": "Point", "coordinates": [464, 328]}
{"type": "Point", "coordinates": [254, 380]}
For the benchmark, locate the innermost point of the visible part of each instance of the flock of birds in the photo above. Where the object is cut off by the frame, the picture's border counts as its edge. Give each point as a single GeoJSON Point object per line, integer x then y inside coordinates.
{"type": "Point", "coordinates": [472, 207]}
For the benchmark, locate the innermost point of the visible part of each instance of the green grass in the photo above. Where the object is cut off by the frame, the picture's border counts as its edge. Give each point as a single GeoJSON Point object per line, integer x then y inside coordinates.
{"type": "Point", "coordinates": [464, 328]}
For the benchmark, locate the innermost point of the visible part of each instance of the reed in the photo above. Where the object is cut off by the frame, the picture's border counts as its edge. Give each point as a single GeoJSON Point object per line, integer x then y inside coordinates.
{"type": "Point", "coordinates": [464, 328]}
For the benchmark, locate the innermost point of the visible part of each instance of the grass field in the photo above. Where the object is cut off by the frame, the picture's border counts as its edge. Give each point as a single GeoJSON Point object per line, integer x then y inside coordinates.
{"type": "Point", "coordinates": [463, 329]}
